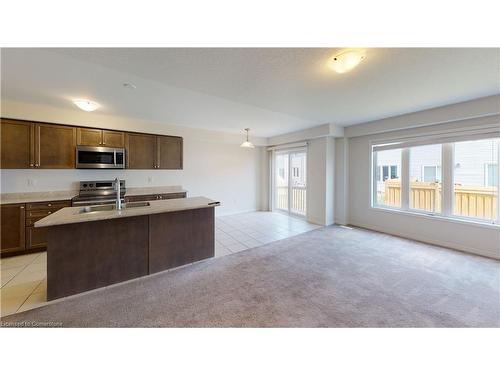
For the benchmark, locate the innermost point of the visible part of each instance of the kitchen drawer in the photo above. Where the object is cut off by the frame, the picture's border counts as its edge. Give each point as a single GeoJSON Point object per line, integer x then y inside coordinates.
{"type": "Point", "coordinates": [173, 195]}
{"type": "Point", "coordinates": [38, 214]}
{"type": "Point", "coordinates": [50, 206]}
{"type": "Point", "coordinates": [141, 198]}
{"type": "Point", "coordinates": [32, 220]}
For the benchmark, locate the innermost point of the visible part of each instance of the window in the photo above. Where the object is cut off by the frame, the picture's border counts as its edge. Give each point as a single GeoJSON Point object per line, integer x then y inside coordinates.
{"type": "Point", "coordinates": [431, 173]}
{"type": "Point", "coordinates": [491, 174]}
{"type": "Point", "coordinates": [425, 178]}
{"type": "Point", "coordinates": [458, 177]}
{"type": "Point", "coordinates": [281, 172]}
{"type": "Point", "coordinates": [388, 172]}
{"type": "Point", "coordinates": [476, 186]}
{"type": "Point", "coordinates": [386, 169]}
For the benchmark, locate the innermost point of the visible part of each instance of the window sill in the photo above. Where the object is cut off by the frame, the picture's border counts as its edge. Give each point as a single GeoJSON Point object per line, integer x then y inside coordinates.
{"type": "Point", "coordinates": [437, 217]}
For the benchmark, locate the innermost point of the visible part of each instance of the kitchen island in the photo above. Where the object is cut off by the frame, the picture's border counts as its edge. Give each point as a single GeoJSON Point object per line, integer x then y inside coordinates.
{"type": "Point", "coordinates": [89, 250]}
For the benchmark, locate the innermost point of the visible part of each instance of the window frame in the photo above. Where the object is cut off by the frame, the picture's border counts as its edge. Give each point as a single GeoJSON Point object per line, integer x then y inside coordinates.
{"type": "Point", "coordinates": [375, 178]}
{"type": "Point", "coordinates": [447, 181]}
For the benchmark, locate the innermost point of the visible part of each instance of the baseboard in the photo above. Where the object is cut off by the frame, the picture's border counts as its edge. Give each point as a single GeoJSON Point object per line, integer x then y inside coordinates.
{"type": "Point", "coordinates": [416, 237]}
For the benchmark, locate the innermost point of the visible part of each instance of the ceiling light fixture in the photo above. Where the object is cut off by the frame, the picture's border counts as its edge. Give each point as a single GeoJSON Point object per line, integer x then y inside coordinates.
{"type": "Point", "coordinates": [347, 60]}
{"type": "Point", "coordinates": [86, 105]}
{"type": "Point", "coordinates": [129, 85]}
{"type": "Point", "coordinates": [247, 143]}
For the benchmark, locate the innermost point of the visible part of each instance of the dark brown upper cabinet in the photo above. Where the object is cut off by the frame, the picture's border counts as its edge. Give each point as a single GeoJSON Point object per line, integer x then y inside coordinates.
{"type": "Point", "coordinates": [26, 144]}
{"type": "Point", "coordinates": [55, 146]}
{"type": "Point", "coordinates": [112, 138]}
{"type": "Point", "coordinates": [141, 151]}
{"type": "Point", "coordinates": [37, 145]}
{"type": "Point", "coordinates": [17, 144]}
{"type": "Point", "coordinates": [147, 151]}
{"type": "Point", "coordinates": [169, 151]}
{"type": "Point", "coordinates": [98, 137]}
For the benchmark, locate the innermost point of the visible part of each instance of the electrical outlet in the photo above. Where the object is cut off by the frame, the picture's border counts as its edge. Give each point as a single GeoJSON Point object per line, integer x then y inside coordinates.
{"type": "Point", "coordinates": [31, 182]}
{"type": "Point", "coordinates": [150, 179]}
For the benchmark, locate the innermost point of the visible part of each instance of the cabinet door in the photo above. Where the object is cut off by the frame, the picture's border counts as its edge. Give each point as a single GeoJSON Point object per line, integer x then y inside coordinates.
{"type": "Point", "coordinates": [89, 137]}
{"type": "Point", "coordinates": [113, 139]}
{"type": "Point", "coordinates": [181, 237]}
{"type": "Point", "coordinates": [55, 146]}
{"type": "Point", "coordinates": [169, 152]}
{"type": "Point", "coordinates": [36, 237]}
{"type": "Point", "coordinates": [17, 144]}
{"type": "Point", "coordinates": [141, 151]}
{"type": "Point", "coordinates": [12, 227]}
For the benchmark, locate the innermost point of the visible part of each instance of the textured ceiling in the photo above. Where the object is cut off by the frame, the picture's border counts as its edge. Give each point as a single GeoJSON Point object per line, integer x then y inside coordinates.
{"type": "Point", "coordinates": [271, 90]}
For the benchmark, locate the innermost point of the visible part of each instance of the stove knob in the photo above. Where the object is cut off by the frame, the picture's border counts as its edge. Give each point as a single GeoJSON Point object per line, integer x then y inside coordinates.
{"type": "Point", "coordinates": [84, 185]}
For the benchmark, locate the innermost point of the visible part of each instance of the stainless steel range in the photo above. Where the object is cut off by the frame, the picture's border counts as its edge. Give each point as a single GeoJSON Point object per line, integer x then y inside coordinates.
{"type": "Point", "coordinates": [94, 193]}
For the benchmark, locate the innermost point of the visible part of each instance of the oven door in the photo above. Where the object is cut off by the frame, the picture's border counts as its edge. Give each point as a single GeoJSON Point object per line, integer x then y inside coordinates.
{"type": "Point", "coordinates": [100, 157]}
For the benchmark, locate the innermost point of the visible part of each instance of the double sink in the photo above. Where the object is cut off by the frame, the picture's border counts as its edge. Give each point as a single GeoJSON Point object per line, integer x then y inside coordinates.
{"type": "Point", "coordinates": [111, 207]}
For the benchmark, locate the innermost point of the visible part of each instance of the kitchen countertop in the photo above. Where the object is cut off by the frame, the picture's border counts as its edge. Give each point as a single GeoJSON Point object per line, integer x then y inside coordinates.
{"type": "Point", "coordinates": [31, 197]}
{"type": "Point", "coordinates": [71, 215]}
{"type": "Point", "coordinates": [12, 198]}
{"type": "Point", "coordinates": [153, 190]}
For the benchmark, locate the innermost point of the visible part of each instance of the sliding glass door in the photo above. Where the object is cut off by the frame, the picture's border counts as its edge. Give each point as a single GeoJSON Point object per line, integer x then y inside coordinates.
{"type": "Point", "coordinates": [290, 182]}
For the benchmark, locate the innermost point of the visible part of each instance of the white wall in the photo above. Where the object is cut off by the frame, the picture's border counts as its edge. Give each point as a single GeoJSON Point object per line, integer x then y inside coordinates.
{"type": "Point", "coordinates": [214, 164]}
{"type": "Point", "coordinates": [484, 240]}
{"type": "Point", "coordinates": [341, 190]}
{"type": "Point", "coordinates": [320, 180]}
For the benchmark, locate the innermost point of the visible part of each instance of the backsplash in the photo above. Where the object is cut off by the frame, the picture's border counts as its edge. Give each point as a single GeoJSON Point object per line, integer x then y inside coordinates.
{"type": "Point", "coordinates": [22, 180]}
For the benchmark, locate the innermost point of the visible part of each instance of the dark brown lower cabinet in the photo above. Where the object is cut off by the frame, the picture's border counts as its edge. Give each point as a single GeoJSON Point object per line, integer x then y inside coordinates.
{"type": "Point", "coordinates": [154, 197]}
{"type": "Point", "coordinates": [19, 234]}
{"type": "Point", "coordinates": [36, 238]}
{"type": "Point", "coordinates": [91, 255]}
{"type": "Point", "coordinates": [12, 220]}
{"type": "Point", "coordinates": [181, 237]}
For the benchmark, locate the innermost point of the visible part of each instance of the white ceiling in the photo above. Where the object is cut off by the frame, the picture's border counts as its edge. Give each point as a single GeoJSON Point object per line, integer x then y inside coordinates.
{"type": "Point", "coordinates": [271, 90]}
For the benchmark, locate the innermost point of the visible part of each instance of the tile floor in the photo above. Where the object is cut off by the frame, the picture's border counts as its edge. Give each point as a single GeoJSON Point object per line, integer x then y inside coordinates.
{"type": "Point", "coordinates": [24, 278]}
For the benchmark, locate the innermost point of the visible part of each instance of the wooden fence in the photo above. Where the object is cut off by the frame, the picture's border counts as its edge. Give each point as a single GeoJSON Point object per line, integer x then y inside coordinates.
{"type": "Point", "coordinates": [469, 201]}
{"type": "Point", "coordinates": [298, 199]}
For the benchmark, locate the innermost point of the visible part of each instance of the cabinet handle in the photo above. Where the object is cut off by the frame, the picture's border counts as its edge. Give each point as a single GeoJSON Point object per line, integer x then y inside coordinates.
{"type": "Point", "coordinates": [49, 212]}
{"type": "Point", "coordinates": [22, 207]}
{"type": "Point", "coordinates": [36, 165]}
{"type": "Point", "coordinates": [31, 164]}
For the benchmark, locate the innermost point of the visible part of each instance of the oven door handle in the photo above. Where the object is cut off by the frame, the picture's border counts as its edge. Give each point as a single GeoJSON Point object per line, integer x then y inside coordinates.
{"type": "Point", "coordinates": [114, 157]}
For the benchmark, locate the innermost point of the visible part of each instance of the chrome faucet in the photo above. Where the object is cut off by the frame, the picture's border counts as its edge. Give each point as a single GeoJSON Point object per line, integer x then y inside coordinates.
{"type": "Point", "coordinates": [118, 198]}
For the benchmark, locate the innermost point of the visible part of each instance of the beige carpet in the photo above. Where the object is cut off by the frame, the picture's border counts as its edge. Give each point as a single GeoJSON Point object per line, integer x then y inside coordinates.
{"type": "Point", "coordinates": [331, 277]}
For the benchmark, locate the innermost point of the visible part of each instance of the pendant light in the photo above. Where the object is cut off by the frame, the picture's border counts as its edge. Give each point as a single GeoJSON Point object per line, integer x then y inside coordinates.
{"type": "Point", "coordinates": [247, 143]}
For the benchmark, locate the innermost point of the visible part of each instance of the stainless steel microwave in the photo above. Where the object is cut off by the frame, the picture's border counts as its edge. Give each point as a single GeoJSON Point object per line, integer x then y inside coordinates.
{"type": "Point", "coordinates": [89, 157]}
